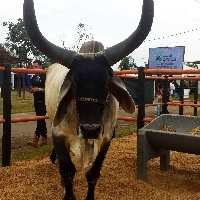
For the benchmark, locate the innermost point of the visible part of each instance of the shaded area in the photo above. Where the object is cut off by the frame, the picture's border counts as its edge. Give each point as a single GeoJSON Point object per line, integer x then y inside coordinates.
{"type": "Point", "coordinates": [132, 87]}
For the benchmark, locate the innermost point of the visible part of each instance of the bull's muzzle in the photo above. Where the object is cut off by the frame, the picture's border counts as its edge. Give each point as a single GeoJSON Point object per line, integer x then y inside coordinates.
{"type": "Point", "coordinates": [90, 131]}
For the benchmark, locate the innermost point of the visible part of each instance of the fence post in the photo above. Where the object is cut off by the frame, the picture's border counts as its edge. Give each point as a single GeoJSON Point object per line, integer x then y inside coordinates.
{"type": "Point", "coordinates": [6, 138]}
{"type": "Point", "coordinates": [181, 93]}
{"type": "Point", "coordinates": [165, 94]}
{"type": "Point", "coordinates": [141, 98]}
{"type": "Point", "coordinates": [195, 98]}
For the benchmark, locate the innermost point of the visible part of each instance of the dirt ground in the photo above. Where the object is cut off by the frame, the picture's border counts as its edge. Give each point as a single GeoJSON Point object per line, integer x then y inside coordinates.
{"type": "Point", "coordinates": [39, 179]}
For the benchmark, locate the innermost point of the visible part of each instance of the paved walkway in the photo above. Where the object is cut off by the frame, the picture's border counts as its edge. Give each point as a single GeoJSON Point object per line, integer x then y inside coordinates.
{"type": "Point", "coordinates": [21, 132]}
{"type": "Point", "coordinates": [24, 128]}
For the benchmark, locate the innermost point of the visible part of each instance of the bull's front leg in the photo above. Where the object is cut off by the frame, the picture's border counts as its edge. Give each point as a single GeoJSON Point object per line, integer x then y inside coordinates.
{"type": "Point", "coordinates": [92, 175]}
{"type": "Point", "coordinates": [66, 167]}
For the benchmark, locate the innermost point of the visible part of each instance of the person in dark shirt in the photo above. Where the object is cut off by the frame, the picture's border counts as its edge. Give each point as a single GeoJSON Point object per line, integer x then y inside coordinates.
{"type": "Point", "coordinates": [37, 87]}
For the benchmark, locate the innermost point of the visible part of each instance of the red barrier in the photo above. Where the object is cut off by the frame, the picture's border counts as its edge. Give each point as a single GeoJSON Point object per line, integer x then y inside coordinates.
{"type": "Point", "coordinates": [2, 68]}
{"type": "Point", "coordinates": [171, 71]}
{"type": "Point", "coordinates": [140, 119]}
{"type": "Point", "coordinates": [160, 71]}
{"type": "Point", "coordinates": [162, 78]}
{"type": "Point", "coordinates": [183, 104]}
{"type": "Point", "coordinates": [25, 119]}
{"type": "Point", "coordinates": [175, 103]}
{"type": "Point", "coordinates": [146, 71]}
{"type": "Point", "coordinates": [121, 74]}
{"type": "Point", "coordinates": [28, 71]}
{"type": "Point", "coordinates": [126, 72]}
{"type": "Point", "coordinates": [133, 119]}
{"type": "Point", "coordinates": [24, 70]}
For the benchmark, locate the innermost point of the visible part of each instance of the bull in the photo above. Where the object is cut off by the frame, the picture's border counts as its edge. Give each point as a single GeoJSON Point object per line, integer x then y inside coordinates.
{"type": "Point", "coordinates": [83, 95]}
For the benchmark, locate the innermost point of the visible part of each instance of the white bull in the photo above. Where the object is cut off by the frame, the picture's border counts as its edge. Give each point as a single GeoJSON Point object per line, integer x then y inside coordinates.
{"type": "Point", "coordinates": [85, 150]}
{"type": "Point", "coordinates": [82, 102]}
{"type": "Point", "coordinates": [67, 132]}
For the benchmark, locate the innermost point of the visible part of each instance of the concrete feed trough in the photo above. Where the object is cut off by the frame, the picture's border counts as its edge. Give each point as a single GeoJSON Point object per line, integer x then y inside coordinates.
{"type": "Point", "coordinates": [153, 142]}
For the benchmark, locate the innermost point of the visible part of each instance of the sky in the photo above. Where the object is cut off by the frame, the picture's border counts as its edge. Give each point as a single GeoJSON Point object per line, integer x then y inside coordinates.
{"type": "Point", "coordinates": [176, 22]}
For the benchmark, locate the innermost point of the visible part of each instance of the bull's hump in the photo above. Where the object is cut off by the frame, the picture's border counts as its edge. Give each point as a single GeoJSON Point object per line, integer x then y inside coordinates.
{"type": "Point", "coordinates": [92, 47]}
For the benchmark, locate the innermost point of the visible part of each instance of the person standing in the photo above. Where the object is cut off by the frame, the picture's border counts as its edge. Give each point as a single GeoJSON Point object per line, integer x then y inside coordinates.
{"type": "Point", "coordinates": [159, 93]}
{"type": "Point", "coordinates": [37, 87]}
{"type": "Point", "coordinates": [172, 88]}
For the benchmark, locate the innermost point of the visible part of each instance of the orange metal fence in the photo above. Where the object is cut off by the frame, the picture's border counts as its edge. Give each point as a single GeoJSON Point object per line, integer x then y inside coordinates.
{"type": "Point", "coordinates": [121, 74]}
{"type": "Point", "coordinates": [146, 74]}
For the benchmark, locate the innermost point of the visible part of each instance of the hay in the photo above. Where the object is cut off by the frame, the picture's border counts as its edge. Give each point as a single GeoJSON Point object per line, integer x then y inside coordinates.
{"type": "Point", "coordinates": [39, 179]}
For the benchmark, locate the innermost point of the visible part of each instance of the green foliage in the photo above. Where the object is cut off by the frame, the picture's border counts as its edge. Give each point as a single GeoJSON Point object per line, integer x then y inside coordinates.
{"type": "Point", "coordinates": [1, 46]}
{"type": "Point", "coordinates": [191, 64]}
{"type": "Point", "coordinates": [17, 41]}
{"type": "Point", "coordinates": [127, 63]}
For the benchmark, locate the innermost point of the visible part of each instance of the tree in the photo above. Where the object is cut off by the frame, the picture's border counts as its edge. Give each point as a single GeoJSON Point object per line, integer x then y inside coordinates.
{"type": "Point", "coordinates": [1, 46]}
{"type": "Point", "coordinates": [191, 64]}
{"type": "Point", "coordinates": [18, 42]}
{"type": "Point", "coordinates": [82, 36]}
{"type": "Point", "coordinates": [19, 45]}
{"type": "Point", "coordinates": [127, 63]}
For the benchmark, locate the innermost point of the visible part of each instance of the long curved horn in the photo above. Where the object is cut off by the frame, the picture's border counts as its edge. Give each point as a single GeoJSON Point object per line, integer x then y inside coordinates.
{"type": "Point", "coordinates": [56, 53]}
{"type": "Point", "coordinates": [124, 48]}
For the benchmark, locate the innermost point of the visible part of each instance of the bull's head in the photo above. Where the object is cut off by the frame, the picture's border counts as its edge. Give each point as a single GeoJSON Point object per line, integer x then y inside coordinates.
{"type": "Point", "coordinates": [91, 83]}
{"type": "Point", "coordinates": [91, 78]}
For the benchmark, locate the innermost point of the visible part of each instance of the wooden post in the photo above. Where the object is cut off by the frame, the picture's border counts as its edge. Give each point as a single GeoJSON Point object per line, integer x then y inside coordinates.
{"type": "Point", "coordinates": [195, 97]}
{"type": "Point", "coordinates": [181, 94]}
{"type": "Point", "coordinates": [6, 138]}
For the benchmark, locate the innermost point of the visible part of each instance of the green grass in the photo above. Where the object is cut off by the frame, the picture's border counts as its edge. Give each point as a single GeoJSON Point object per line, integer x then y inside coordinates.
{"type": "Point", "coordinates": [125, 130]}
{"type": "Point", "coordinates": [19, 105]}
{"type": "Point", "coordinates": [30, 153]}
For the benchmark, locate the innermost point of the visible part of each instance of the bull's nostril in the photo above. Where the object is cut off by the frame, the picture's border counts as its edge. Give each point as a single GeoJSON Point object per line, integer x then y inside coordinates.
{"type": "Point", "coordinates": [90, 130]}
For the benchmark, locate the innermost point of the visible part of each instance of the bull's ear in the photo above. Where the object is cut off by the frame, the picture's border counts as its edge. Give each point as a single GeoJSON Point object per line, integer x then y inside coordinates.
{"type": "Point", "coordinates": [119, 91]}
{"type": "Point", "coordinates": [66, 95]}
